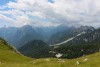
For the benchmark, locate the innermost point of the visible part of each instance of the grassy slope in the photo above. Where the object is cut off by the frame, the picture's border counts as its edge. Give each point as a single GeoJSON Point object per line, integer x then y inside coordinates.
{"type": "Point", "coordinates": [7, 54]}
{"type": "Point", "coordinates": [8, 58]}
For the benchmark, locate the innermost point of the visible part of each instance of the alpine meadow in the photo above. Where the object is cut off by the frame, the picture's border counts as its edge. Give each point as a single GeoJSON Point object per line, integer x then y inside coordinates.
{"type": "Point", "coordinates": [49, 33]}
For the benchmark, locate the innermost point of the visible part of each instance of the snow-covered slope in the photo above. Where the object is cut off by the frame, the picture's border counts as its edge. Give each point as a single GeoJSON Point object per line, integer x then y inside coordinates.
{"type": "Point", "coordinates": [69, 39]}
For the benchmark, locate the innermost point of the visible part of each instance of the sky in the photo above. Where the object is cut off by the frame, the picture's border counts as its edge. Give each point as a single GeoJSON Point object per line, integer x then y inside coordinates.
{"type": "Point", "coordinates": [50, 12]}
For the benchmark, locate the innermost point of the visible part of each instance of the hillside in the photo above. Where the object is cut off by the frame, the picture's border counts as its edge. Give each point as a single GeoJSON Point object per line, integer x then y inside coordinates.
{"type": "Point", "coordinates": [35, 49]}
{"type": "Point", "coordinates": [82, 44]}
{"type": "Point", "coordinates": [9, 58]}
{"type": "Point", "coordinates": [8, 54]}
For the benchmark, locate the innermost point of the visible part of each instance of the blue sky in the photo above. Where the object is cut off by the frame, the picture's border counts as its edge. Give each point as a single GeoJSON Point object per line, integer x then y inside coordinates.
{"type": "Point", "coordinates": [50, 13]}
{"type": "Point", "coordinates": [3, 2]}
{"type": "Point", "coordinates": [52, 1]}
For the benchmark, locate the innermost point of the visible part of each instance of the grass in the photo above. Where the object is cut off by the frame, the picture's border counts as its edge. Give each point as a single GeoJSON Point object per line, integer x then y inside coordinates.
{"type": "Point", "coordinates": [92, 61]}
{"type": "Point", "coordinates": [9, 58]}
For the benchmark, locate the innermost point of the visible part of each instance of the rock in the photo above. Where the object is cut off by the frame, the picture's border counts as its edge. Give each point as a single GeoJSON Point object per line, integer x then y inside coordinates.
{"type": "Point", "coordinates": [85, 59]}
{"type": "Point", "coordinates": [78, 62]}
{"type": "Point", "coordinates": [58, 55]}
{"type": "Point", "coordinates": [47, 59]}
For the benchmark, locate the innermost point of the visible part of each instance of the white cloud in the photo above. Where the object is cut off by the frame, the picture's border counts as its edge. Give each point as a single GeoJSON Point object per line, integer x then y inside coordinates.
{"type": "Point", "coordinates": [70, 12]}
{"type": "Point", "coordinates": [6, 18]}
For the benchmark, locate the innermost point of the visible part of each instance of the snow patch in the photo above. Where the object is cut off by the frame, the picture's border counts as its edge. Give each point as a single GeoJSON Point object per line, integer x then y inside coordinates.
{"type": "Point", "coordinates": [70, 39]}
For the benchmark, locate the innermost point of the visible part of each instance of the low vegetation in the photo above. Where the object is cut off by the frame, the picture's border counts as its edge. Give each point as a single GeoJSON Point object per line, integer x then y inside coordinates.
{"type": "Point", "coordinates": [9, 58]}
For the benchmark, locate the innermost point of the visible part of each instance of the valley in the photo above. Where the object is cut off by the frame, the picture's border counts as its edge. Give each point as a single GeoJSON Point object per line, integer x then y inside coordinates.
{"type": "Point", "coordinates": [49, 33]}
{"type": "Point", "coordinates": [79, 50]}
{"type": "Point", "coordinates": [9, 58]}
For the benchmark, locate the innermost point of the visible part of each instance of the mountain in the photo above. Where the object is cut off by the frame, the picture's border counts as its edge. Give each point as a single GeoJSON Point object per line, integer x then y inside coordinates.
{"type": "Point", "coordinates": [65, 33]}
{"type": "Point", "coordinates": [82, 44]}
{"type": "Point", "coordinates": [35, 49]}
{"type": "Point", "coordinates": [32, 48]}
{"type": "Point", "coordinates": [17, 37]}
{"type": "Point", "coordinates": [46, 32]}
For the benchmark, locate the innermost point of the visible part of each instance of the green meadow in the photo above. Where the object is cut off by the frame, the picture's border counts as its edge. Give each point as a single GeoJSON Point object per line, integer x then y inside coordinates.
{"type": "Point", "coordinates": [9, 58]}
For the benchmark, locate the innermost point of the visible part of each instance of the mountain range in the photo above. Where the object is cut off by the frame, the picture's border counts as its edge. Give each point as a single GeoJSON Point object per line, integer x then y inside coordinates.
{"type": "Point", "coordinates": [18, 36]}
{"type": "Point", "coordinates": [39, 42]}
{"type": "Point", "coordinates": [82, 44]}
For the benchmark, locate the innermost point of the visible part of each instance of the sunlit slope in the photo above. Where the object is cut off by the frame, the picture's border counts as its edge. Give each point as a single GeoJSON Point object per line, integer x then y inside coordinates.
{"type": "Point", "coordinates": [8, 54]}
{"type": "Point", "coordinates": [92, 60]}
